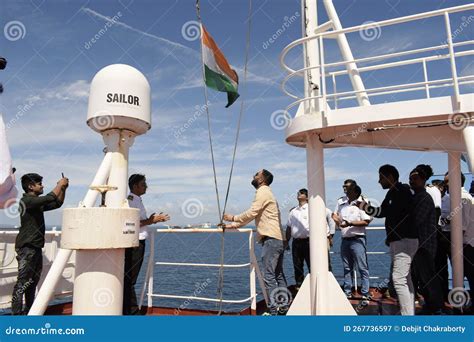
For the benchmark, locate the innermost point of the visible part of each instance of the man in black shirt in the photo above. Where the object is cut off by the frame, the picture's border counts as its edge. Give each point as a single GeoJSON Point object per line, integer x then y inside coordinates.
{"type": "Point", "coordinates": [30, 239]}
{"type": "Point", "coordinates": [402, 236]}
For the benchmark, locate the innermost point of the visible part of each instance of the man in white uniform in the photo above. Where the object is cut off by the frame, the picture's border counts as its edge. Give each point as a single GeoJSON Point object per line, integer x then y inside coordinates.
{"type": "Point", "coordinates": [298, 229]}
{"type": "Point", "coordinates": [134, 255]}
{"type": "Point", "coordinates": [444, 246]}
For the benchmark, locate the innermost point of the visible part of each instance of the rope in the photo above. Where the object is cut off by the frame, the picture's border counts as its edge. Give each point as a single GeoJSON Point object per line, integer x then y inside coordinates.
{"type": "Point", "coordinates": [220, 286]}
{"type": "Point", "coordinates": [386, 128]}
{"type": "Point", "coordinates": [198, 12]}
{"type": "Point", "coordinates": [237, 135]}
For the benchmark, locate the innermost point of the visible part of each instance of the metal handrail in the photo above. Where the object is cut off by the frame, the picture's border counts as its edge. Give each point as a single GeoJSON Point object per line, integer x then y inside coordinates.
{"type": "Point", "coordinates": [300, 72]}
{"type": "Point", "coordinates": [382, 23]}
{"type": "Point", "coordinates": [455, 81]}
{"type": "Point", "coordinates": [201, 265]}
{"type": "Point", "coordinates": [253, 265]}
{"type": "Point", "coordinates": [204, 299]}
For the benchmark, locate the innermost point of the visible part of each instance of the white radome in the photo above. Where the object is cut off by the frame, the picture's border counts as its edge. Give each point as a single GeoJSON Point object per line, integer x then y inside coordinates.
{"type": "Point", "coordinates": [120, 98]}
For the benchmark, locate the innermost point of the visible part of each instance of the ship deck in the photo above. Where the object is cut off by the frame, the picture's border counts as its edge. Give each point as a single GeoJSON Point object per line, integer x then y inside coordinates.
{"type": "Point", "coordinates": [377, 306]}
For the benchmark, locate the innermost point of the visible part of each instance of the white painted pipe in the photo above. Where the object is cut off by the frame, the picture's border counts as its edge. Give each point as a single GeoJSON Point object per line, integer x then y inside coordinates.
{"type": "Point", "coordinates": [46, 291]}
{"type": "Point", "coordinates": [346, 52]}
{"type": "Point", "coordinates": [49, 284]}
{"type": "Point", "coordinates": [319, 281]}
{"type": "Point", "coordinates": [468, 136]}
{"type": "Point", "coordinates": [312, 76]}
{"type": "Point", "coordinates": [98, 286]}
{"type": "Point", "coordinates": [99, 179]}
{"type": "Point", "coordinates": [454, 170]}
{"type": "Point", "coordinates": [98, 283]}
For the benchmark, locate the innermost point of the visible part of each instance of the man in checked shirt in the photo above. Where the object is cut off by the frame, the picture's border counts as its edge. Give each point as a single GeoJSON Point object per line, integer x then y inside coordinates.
{"type": "Point", "coordinates": [424, 219]}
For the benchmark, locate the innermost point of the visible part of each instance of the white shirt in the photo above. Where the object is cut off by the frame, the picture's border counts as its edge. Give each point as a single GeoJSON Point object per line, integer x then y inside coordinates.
{"type": "Point", "coordinates": [135, 201]}
{"type": "Point", "coordinates": [468, 218]}
{"type": "Point", "coordinates": [298, 221]}
{"type": "Point", "coordinates": [466, 211]}
{"type": "Point", "coordinates": [350, 212]}
{"type": "Point", "coordinates": [445, 213]}
{"type": "Point", "coordinates": [435, 195]}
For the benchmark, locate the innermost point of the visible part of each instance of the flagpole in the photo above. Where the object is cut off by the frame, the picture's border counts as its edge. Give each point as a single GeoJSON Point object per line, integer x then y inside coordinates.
{"type": "Point", "coordinates": [198, 13]}
{"type": "Point", "coordinates": [220, 284]}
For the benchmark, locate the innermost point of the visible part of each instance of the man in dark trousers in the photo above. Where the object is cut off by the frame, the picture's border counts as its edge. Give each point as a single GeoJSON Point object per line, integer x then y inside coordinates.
{"type": "Point", "coordinates": [134, 255]}
{"type": "Point", "coordinates": [424, 219]}
{"type": "Point", "coordinates": [30, 239]}
{"type": "Point", "coordinates": [402, 236]}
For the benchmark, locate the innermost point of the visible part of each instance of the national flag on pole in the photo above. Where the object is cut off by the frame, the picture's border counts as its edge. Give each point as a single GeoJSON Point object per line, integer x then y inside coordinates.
{"type": "Point", "coordinates": [217, 72]}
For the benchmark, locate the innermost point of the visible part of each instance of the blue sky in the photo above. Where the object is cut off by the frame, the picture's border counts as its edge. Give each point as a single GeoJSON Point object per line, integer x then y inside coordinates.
{"type": "Point", "coordinates": [51, 65]}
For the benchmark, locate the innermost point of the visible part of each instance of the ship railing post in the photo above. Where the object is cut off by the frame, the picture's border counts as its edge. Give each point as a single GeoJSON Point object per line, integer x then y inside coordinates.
{"type": "Point", "coordinates": [323, 74]}
{"type": "Point", "coordinates": [454, 169]}
{"type": "Point", "coordinates": [354, 275]}
{"type": "Point", "coordinates": [453, 62]}
{"type": "Point", "coordinates": [253, 285]}
{"type": "Point", "coordinates": [151, 267]}
{"type": "Point", "coordinates": [425, 74]}
{"type": "Point", "coordinates": [334, 86]}
{"type": "Point", "coordinates": [254, 262]}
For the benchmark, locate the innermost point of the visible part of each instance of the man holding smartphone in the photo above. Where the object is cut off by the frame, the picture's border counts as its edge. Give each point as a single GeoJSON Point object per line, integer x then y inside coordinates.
{"type": "Point", "coordinates": [30, 239]}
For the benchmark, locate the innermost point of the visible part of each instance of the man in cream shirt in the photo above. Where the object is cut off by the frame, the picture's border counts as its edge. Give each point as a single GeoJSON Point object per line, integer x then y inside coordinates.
{"type": "Point", "coordinates": [265, 212]}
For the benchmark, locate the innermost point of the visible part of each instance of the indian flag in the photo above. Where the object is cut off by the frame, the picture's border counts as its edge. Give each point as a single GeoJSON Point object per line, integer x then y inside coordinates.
{"type": "Point", "coordinates": [217, 71]}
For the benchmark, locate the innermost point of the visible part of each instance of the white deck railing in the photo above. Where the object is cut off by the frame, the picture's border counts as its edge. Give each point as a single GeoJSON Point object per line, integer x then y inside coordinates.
{"type": "Point", "coordinates": [254, 271]}
{"type": "Point", "coordinates": [9, 267]}
{"type": "Point", "coordinates": [443, 51]}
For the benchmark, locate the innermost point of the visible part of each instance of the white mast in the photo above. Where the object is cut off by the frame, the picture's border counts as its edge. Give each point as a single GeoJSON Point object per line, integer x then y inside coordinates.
{"type": "Point", "coordinates": [346, 52]}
